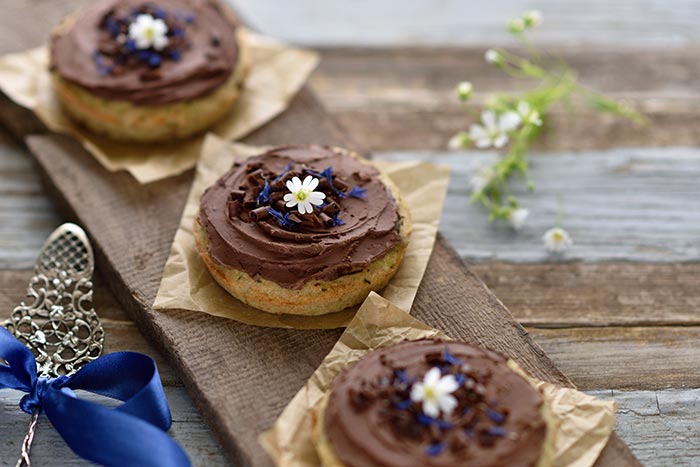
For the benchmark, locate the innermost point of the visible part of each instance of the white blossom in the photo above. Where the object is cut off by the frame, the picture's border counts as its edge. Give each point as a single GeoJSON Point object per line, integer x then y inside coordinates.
{"type": "Point", "coordinates": [557, 240]}
{"type": "Point", "coordinates": [532, 18]}
{"type": "Point", "coordinates": [528, 115]}
{"type": "Point", "coordinates": [493, 56]}
{"type": "Point", "coordinates": [482, 178]}
{"type": "Point", "coordinates": [516, 25]}
{"type": "Point", "coordinates": [435, 392]}
{"type": "Point", "coordinates": [464, 90]}
{"type": "Point", "coordinates": [459, 141]}
{"type": "Point", "coordinates": [303, 195]}
{"type": "Point", "coordinates": [493, 130]}
{"type": "Point", "coordinates": [147, 31]}
{"type": "Point", "coordinates": [517, 217]}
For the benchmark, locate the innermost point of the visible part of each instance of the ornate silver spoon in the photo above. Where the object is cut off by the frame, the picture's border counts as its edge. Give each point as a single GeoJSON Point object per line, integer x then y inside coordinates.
{"type": "Point", "coordinates": [60, 325]}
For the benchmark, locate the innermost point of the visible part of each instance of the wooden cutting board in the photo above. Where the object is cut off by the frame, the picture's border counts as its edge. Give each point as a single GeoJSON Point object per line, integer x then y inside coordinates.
{"type": "Point", "coordinates": [239, 376]}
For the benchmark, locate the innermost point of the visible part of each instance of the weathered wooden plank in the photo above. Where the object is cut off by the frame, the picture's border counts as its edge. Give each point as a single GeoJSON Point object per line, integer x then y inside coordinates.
{"type": "Point", "coordinates": [27, 216]}
{"type": "Point", "coordinates": [656, 357]}
{"type": "Point", "coordinates": [596, 294]}
{"type": "Point", "coordinates": [49, 449]}
{"type": "Point", "coordinates": [661, 427]}
{"type": "Point", "coordinates": [454, 22]}
{"type": "Point", "coordinates": [623, 204]}
{"type": "Point", "coordinates": [407, 100]}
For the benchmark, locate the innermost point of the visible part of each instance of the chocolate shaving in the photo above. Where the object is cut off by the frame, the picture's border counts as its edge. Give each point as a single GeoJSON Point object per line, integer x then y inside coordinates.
{"type": "Point", "coordinates": [260, 214]}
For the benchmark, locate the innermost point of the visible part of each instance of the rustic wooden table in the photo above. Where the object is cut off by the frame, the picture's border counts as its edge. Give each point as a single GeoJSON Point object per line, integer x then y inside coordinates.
{"type": "Point", "coordinates": [618, 315]}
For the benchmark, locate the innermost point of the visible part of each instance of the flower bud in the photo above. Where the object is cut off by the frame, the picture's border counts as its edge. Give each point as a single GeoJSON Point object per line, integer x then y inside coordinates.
{"type": "Point", "coordinates": [464, 90]}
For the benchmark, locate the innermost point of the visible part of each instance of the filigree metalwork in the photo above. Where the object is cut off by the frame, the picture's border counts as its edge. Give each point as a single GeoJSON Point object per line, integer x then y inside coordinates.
{"type": "Point", "coordinates": [60, 324]}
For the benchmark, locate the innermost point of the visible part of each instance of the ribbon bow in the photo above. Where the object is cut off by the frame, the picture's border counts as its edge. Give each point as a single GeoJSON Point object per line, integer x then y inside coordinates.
{"type": "Point", "coordinates": [131, 434]}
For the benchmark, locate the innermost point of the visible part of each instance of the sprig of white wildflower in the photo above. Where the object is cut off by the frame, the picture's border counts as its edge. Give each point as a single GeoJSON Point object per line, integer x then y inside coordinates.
{"type": "Point", "coordinates": [514, 121]}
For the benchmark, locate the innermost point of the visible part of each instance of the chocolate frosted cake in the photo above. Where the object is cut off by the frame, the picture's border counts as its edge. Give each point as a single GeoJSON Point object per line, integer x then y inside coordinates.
{"type": "Point", "coordinates": [148, 70]}
{"type": "Point", "coordinates": [302, 230]}
{"type": "Point", "coordinates": [433, 403]}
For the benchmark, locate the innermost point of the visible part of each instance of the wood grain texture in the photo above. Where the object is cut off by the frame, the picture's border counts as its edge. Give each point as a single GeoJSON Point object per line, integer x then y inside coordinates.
{"type": "Point", "coordinates": [654, 357]}
{"type": "Point", "coordinates": [631, 204]}
{"type": "Point", "coordinates": [557, 295]}
{"type": "Point", "coordinates": [407, 101]}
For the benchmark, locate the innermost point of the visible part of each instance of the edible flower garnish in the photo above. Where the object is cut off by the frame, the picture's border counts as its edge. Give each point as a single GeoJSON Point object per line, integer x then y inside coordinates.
{"type": "Point", "coordinates": [147, 31]}
{"type": "Point", "coordinates": [435, 392]}
{"type": "Point", "coordinates": [302, 194]}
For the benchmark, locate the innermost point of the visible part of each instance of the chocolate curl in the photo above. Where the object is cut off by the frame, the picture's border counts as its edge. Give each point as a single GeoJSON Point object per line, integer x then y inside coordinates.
{"type": "Point", "coordinates": [312, 219]}
{"type": "Point", "coordinates": [279, 205]}
{"type": "Point", "coordinates": [280, 183]}
{"type": "Point", "coordinates": [253, 166]}
{"type": "Point", "coordinates": [232, 207]}
{"type": "Point", "coordinates": [259, 214]}
{"type": "Point", "coordinates": [237, 195]}
{"type": "Point", "coordinates": [294, 218]}
{"type": "Point", "coordinates": [327, 220]}
{"type": "Point", "coordinates": [254, 178]}
{"type": "Point", "coordinates": [276, 196]}
{"type": "Point", "coordinates": [340, 184]}
{"type": "Point", "coordinates": [250, 200]}
{"type": "Point", "coordinates": [331, 208]}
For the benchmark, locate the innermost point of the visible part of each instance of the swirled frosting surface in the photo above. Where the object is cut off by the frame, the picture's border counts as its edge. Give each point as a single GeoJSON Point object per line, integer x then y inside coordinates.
{"type": "Point", "coordinates": [95, 52]}
{"type": "Point", "coordinates": [257, 233]}
{"type": "Point", "coordinates": [371, 421]}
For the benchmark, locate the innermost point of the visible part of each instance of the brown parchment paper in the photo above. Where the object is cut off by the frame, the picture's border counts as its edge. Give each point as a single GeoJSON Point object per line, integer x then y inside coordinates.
{"type": "Point", "coordinates": [585, 422]}
{"type": "Point", "coordinates": [187, 284]}
{"type": "Point", "coordinates": [277, 73]}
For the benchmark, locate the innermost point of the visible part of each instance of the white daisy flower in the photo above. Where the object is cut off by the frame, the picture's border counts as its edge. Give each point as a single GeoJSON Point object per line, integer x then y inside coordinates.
{"type": "Point", "coordinates": [528, 115]}
{"type": "Point", "coordinates": [517, 217]}
{"type": "Point", "coordinates": [464, 90]}
{"type": "Point", "coordinates": [557, 240]}
{"type": "Point", "coordinates": [147, 31]}
{"type": "Point", "coordinates": [303, 195]}
{"type": "Point", "coordinates": [532, 18]}
{"type": "Point", "coordinates": [493, 130]}
{"type": "Point", "coordinates": [435, 393]}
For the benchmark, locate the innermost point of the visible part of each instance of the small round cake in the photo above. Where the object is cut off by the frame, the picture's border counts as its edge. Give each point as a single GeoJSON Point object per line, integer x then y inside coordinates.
{"type": "Point", "coordinates": [302, 230]}
{"type": "Point", "coordinates": [433, 403]}
{"type": "Point", "coordinates": [148, 71]}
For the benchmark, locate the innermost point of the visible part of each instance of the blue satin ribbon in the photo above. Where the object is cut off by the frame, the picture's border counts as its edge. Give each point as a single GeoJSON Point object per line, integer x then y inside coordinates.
{"type": "Point", "coordinates": [131, 434]}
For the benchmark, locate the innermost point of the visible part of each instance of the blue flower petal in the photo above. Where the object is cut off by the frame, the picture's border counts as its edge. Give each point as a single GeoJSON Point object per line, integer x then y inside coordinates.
{"type": "Point", "coordinates": [435, 449]}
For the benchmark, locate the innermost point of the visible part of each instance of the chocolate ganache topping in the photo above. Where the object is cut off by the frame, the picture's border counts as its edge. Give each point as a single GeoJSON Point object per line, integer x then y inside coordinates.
{"type": "Point", "coordinates": [103, 53]}
{"type": "Point", "coordinates": [250, 227]}
{"type": "Point", "coordinates": [371, 419]}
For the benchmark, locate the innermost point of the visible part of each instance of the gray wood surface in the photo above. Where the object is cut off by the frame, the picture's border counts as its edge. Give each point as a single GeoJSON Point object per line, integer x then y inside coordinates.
{"type": "Point", "coordinates": [632, 204]}
{"type": "Point", "coordinates": [409, 22]}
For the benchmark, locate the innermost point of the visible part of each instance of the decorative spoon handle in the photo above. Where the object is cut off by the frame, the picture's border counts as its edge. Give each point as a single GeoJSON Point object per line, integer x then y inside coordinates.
{"type": "Point", "coordinates": [60, 326]}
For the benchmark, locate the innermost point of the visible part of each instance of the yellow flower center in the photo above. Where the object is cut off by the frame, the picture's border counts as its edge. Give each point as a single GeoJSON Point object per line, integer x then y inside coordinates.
{"type": "Point", "coordinates": [429, 393]}
{"type": "Point", "coordinates": [557, 236]}
{"type": "Point", "coordinates": [301, 195]}
{"type": "Point", "coordinates": [149, 33]}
